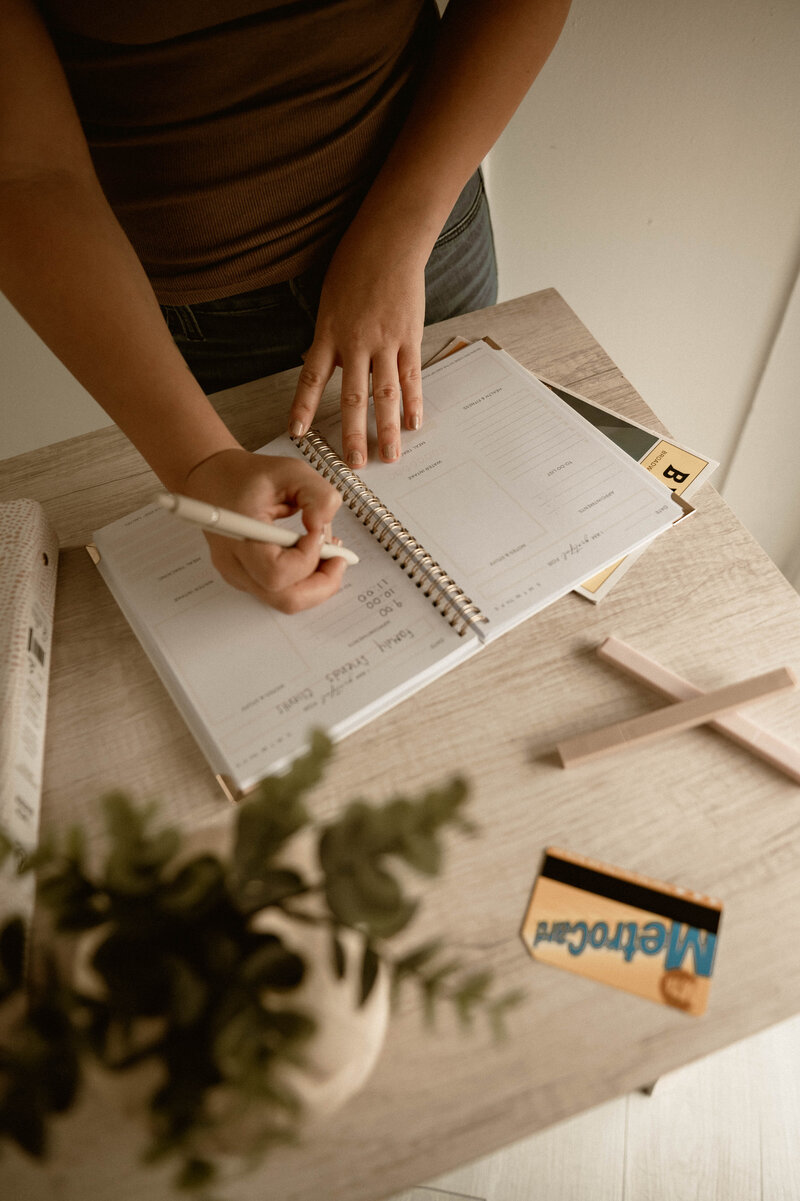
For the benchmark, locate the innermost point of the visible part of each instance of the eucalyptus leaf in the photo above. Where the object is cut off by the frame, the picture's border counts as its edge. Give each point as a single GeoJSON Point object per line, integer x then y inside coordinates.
{"type": "Point", "coordinates": [269, 1088]}
{"type": "Point", "coordinates": [43, 856]}
{"type": "Point", "coordinates": [344, 898]}
{"type": "Point", "coordinates": [422, 852]}
{"type": "Point", "coordinates": [273, 965]}
{"type": "Point", "coordinates": [387, 924]}
{"type": "Point", "coordinates": [162, 1146]}
{"type": "Point", "coordinates": [430, 995]}
{"type": "Point", "coordinates": [404, 828]}
{"type": "Point", "coordinates": [176, 1107]}
{"type": "Point", "coordinates": [136, 974]}
{"type": "Point", "coordinates": [123, 820]}
{"type": "Point", "coordinates": [338, 956]}
{"type": "Point", "coordinates": [463, 1009]}
{"type": "Point", "coordinates": [271, 887]}
{"type": "Point", "coordinates": [133, 868]}
{"type": "Point", "coordinates": [415, 960]}
{"type": "Point", "coordinates": [22, 1117]}
{"type": "Point", "coordinates": [63, 1077]}
{"type": "Point", "coordinates": [12, 956]}
{"type": "Point", "coordinates": [290, 1025]}
{"type": "Point", "coordinates": [137, 856]}
{"type": "Point", "coordinates": [195, 1174]}
{"type": "Point", "coordinates": [378, 888]}
{"type": "Point", "coordinates": [475, 986]}
{"type": "Point", "coordinates": [75, 849]}
{"type": "Point", "coordinates": [308, 769]}
{"type": "Point", "coordinates": [188, 992]}
{"type": "Point", "coordinates": [237, 1042]}
{"type": "Point", "coordinates": [222, 950]}
{"type": "Point", "coordinates": [275, 812]}
{"type": "Point", "coordinates": [70, 896]}
{"type": "Point", "coordinates": [195, 889]}
{"type": "Point", "coordinates": [337, 844]}
{"type": "Point", "coordinates": [370, 965]}
{"type": "Point", "coordinates": [127, 824]}
{"type": "Point", "coordinates": [470, 993]}
{"type": "Point", "coordinates": [443, 972]}
{"type": "Point", "coordinates": [361, 900]}
{"type": "Point", "coordinates": [6, 847]}
{"type": "Point", "coordinates": [440, 807]}
{"type": "Point", "coordinates": [498, 1010]}
{"type": "Point", "coordinates": [264, 825]}
{"type": "Point", "coordinates": [401, 816]}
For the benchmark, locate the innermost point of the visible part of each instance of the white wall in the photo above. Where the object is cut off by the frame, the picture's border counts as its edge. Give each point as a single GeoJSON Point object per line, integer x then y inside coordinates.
{"type": "Point", "coordinates": [40, 402]}
{"type": "Point", "coordinates": [652, 176]}
{"type": "Point", "coordinates": [764, 476]}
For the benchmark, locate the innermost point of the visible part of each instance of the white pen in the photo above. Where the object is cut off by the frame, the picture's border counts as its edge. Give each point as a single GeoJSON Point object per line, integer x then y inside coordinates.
{"type": "Point", "coordinates": [236, 525]}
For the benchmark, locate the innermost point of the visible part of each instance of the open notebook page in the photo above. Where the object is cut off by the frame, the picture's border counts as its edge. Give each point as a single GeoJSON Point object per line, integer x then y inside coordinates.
{"type": "Point", "coordinates": [251, 682]}
{"type": "Point", "coordinates": [514, 494]}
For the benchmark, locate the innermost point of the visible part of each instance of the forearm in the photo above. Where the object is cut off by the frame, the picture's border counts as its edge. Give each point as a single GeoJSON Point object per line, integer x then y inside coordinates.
{"type": "Point", "coordinates": [486, 58]}
{"type": "Point", "coordinates": [68, 268]}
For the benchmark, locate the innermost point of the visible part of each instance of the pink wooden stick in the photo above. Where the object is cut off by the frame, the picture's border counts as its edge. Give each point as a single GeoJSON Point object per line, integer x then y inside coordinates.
{"type": "Point", "coordinates": [739, 729]}
{"type": "Point", "coordinates": [672, 718]}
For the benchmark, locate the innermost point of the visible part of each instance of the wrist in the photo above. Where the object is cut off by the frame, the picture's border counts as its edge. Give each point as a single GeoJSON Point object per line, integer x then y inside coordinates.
{"type": "Point", "coordinates": [400, 225]}
{"type": "Point", "coordinates": [189, 433]}
{"type": "Point", "coordinates": [206, 461]}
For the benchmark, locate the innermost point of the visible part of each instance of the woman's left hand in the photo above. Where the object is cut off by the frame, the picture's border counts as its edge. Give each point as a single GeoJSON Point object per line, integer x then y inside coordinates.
{"type": "Point", "coordinates": [370, 321]}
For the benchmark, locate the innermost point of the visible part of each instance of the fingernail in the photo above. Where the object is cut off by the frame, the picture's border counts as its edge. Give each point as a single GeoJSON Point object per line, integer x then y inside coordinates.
{"type": "Point", "coordinates": [296, 429]}
{"type": "Point", "coordinates": [389, 452]}
{"type": "Point", "coordinates": [355, 459]}
{"type": "Point", "coordinates": [416, 421]}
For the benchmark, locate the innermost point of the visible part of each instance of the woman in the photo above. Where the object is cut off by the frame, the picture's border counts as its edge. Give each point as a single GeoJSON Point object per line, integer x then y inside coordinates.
{"type": "Point", "coordinates": [293, 161]}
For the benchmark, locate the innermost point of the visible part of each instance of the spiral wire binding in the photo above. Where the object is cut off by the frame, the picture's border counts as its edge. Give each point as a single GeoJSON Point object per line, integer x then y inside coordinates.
{"type": "Point", "coordinates": [427, 574]}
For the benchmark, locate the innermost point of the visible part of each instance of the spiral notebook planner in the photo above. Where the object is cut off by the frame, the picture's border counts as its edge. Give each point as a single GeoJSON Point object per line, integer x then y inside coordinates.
{"type": "Point", "coordinates": [500, 504]}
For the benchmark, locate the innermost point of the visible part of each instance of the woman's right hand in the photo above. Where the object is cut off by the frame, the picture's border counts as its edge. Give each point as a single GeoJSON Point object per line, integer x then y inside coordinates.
{"type": "Point", "coordinates": [269, 487]}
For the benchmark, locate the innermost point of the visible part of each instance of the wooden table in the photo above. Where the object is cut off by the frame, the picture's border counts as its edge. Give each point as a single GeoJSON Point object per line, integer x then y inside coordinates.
{"type": "Point", "coordinates": [694, 809]}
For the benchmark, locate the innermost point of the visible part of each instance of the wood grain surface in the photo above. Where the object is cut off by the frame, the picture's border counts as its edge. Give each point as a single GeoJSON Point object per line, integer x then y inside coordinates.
{"type": "Point", "coordinates": [694, 810]}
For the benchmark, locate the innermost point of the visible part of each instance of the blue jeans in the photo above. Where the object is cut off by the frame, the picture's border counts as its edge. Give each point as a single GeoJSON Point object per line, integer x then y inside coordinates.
{"type": "Point", "coordinates": [230, 341]}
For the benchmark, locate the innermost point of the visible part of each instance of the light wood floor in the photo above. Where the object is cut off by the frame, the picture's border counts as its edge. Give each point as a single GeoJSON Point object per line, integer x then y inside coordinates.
{"type": "Point", "coordinates": [726, 1128]}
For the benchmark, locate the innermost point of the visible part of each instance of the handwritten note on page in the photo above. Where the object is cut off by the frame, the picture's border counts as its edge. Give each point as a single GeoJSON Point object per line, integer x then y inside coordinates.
{"type": "Point", "coordinates": [251, 682]}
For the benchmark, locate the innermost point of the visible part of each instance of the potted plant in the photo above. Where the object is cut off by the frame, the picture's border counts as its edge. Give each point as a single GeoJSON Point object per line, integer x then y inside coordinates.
{"type": "Point", "coordinates": [227, 989]}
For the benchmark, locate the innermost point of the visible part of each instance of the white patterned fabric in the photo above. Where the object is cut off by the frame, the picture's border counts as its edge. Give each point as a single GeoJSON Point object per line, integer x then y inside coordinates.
{"type": "Point", "coordinates": [28, 568]}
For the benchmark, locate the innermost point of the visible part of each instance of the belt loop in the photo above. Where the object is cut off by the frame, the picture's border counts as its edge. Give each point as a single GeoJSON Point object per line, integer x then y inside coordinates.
{"type": "Point", "coordinates": [182, 316]}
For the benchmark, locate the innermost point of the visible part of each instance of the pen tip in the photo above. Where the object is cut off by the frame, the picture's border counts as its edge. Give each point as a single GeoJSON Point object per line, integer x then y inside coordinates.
{"type": "Point", "coordinates": [166, 500]}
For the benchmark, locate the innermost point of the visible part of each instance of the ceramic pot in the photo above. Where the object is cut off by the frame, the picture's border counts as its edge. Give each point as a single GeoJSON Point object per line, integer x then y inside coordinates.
{"type": "Point", "coordinates": [336, 1060]}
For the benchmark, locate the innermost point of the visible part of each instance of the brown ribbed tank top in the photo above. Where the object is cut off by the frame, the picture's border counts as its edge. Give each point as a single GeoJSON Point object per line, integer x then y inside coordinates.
{"type": "Point", "coordinates": [235, 139]}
